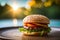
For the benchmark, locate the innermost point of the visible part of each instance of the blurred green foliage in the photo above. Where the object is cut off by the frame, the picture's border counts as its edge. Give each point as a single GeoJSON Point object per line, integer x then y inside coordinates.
{"type": "Point", "coordinates": [49, 8]}
{"type": "Point", "coordinates": [7, 12]}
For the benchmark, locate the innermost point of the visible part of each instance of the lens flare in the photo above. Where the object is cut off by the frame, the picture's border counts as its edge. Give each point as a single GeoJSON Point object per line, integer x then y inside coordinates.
{"type": "Point", "coordinates": [15, 7]}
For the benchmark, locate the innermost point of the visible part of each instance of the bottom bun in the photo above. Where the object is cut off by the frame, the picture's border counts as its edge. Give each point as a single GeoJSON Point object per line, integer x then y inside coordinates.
{"type": "Point", "coordinates": [34, 34]}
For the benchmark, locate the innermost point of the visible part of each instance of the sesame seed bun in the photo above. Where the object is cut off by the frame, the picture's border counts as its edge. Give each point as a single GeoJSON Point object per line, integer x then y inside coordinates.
{"type": "Point", "coordinates": [34, 33]}
{"type": "Point", "coordinates": [36, 19]}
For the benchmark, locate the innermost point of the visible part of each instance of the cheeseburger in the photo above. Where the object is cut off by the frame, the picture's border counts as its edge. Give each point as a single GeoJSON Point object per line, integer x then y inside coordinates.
{"type": "Point", "coordinates": [35, 25]}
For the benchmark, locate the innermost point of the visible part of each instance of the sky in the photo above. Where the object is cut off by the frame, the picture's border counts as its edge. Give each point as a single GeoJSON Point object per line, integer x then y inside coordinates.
{"type": "Point", "coordinates": [19, 3]}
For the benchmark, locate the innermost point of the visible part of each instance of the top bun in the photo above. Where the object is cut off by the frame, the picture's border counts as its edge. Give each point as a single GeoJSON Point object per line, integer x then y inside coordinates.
{"type": "Point", "coordinates": [36, 18]}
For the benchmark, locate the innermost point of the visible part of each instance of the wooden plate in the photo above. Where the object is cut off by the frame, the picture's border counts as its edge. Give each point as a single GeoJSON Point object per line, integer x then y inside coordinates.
{"type": "Point", "coordinates": [14, 34]}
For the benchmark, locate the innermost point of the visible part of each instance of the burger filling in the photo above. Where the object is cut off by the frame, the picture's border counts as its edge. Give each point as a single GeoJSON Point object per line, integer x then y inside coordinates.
{"type": "Point", "coordinates": [29, 28]}
{"type": "Point", "coordinates": [40, 30]}
{"type": "Point", "coordinates": [35, 30]}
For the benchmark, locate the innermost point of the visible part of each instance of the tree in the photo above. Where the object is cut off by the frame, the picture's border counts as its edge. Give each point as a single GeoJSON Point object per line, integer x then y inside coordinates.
{"type": "Point", "coordinates": [5, 12]}
{"type": "Point", "coordinates": [0, 9]}
{"type": "Point", "coordinates": [49, 8]}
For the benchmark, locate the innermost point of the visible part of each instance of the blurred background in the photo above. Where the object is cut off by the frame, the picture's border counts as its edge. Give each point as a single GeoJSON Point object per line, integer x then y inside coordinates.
{"type": "Point", "coordinates": [12, 12]}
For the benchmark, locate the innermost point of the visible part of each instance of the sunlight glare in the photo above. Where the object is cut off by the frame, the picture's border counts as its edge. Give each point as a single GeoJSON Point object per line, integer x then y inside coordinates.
{"type": "Point", "coordinates": [15, 7]}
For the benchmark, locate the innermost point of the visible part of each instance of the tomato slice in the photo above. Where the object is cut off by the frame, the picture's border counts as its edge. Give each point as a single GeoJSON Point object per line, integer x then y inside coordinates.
{"type": "Point", "coordinates": [34, 25]}
{"type": "Point", "coordinates": [31, 25]}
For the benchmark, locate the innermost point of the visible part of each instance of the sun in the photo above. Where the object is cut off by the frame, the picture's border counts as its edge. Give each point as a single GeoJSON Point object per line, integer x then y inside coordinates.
{"type": "Point", "coordinates": [15, 7]}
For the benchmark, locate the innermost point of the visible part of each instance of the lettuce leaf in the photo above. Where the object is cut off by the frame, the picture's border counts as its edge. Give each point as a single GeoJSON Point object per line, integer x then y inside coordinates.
{"type": "Point", "coordinates": [30, 31]}
{"type": "Point", "coordinates": [43, 30]}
